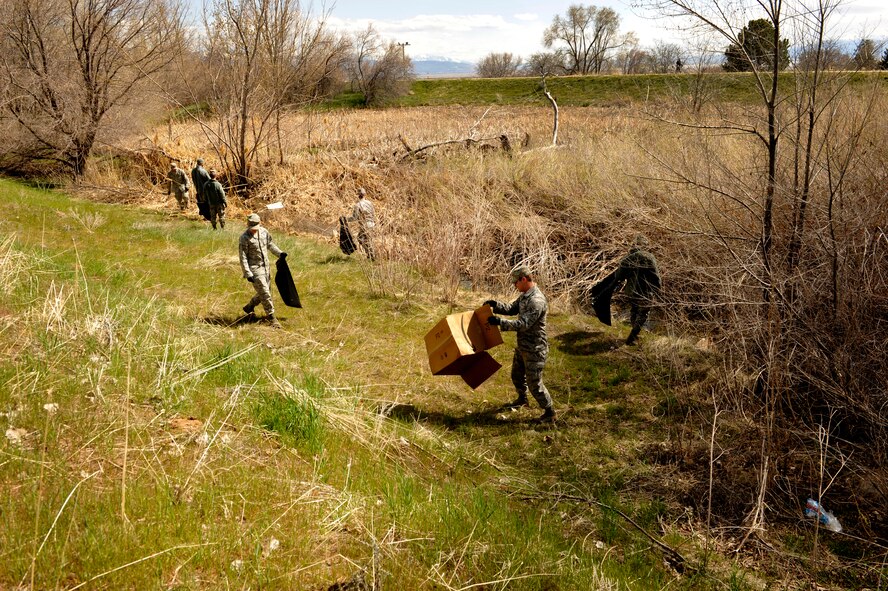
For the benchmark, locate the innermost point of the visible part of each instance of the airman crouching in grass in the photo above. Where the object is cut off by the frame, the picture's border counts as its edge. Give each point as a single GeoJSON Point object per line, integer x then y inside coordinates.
{"type": "Point", "coordinates": [253, 247]}
{"type": "Point", "coordinates": [532, 349]}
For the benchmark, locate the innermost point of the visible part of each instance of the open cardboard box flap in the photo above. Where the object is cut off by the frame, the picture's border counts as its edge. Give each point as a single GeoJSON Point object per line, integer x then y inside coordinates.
{"type": "Point", "coordinates": [457, 345]}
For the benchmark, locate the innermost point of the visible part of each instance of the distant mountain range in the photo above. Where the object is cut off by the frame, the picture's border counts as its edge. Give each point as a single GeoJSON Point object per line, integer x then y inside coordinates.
{"type": "Point", "coordinates": [433, 67]}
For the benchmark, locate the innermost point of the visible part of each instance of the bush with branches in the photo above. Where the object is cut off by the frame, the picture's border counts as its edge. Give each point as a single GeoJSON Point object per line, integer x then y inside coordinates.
{"type": "Point", "coordinates": [498, 65]}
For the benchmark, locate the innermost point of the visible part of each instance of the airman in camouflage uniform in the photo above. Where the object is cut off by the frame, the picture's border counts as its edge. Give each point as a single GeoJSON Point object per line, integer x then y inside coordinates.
{"type": "Point", "coordinates": [254, 246]}
{"type": "Point", "coordinates": [365, 214]}
{"type": "Point", "coordinates": [215, 197]}
{"type": "Point", "coordinates": [639, 270]}
{"type": "Point", "coordinates": [199, 176]}
{"type": "Point", "coordinates": [178, 185]}
{"type": "Point", "coordinates": [533, 345]}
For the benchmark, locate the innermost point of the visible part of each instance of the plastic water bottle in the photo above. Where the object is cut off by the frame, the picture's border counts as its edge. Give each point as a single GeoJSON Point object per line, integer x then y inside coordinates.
{"type": "Point", "coordinates": [827, 520]}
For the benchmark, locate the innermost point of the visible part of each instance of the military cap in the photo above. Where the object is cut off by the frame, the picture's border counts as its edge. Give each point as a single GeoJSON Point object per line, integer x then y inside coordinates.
{"type": "Point", "coordinates": [200, 160]}
{"type": "Point", "coordinates": [519, 272]}
{"type": "Point", "coordinates": [361, 191]}
{"type": "Point", "coordinates": [253, 219]}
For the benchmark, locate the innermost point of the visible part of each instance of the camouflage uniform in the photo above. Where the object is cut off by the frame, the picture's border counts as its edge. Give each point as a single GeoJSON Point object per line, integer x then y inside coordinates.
{"type": "Point", "coordinates": [253, 251]}
{"type": "Point", "coordinates": [639, 270]}
{"type": "Point", "coordinates": [179, 186]}
{"type": "Point", "coordinates": [365, 214]}
{"type": "Point", "coordinates": [214, 194]}
{"type": "Point", "coordinates": [199, 176]}
{"type": "Point", "coordinates": [533, 345]}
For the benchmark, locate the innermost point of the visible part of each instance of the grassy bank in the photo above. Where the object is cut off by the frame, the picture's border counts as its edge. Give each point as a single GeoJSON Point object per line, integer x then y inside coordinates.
{"type": "Point", "coordinates": [151, 441]}
{"type": "Point", "coordinates": [586, 91]}
{"type": "Point", "coordinates": [579, 91]}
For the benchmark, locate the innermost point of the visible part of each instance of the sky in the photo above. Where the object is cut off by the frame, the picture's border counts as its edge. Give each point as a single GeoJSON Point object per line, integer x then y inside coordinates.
{"type": "Point", "coordinates": [467, 30]}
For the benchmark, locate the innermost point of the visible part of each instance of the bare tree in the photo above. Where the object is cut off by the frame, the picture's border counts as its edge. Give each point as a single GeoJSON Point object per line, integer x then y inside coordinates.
{"type": "Point", "coordinates": [664, 56]}
{"type": "Point", "coordinates": [702, 89]}
{"type": "Point", "coordinates": [797, 243]}
{"type": "Point", "coordinates": [498, 65]}
{"type": "Point", "coordinates": [68, 63]}
{"type": "Point", "coordinates": [588, 35]}
{"type": "Point", "coordinates": [546, 64]}
{"type": "Point", "coordinates": [828, 54]}
{"type": "Point", "coordinates": [265, 56]}
{"type": "Point", "coordinates": [380, 69]}
{"type": "Point", "coordinates": [631, 59]}
{"type": "Point", "coordinates": [759, 227]}
{"type": "Point", "coordinates": [303, 60]}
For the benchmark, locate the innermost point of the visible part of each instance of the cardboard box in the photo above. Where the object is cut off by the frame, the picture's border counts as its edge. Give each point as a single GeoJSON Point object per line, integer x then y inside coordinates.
{"type": "Point", "coordinates": [457, 346]}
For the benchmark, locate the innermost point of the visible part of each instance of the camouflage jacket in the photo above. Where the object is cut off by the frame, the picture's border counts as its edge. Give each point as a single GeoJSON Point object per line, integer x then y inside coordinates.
{"type": "Point", "coordinates": [364, 213]}
{"type": "Point", "coordinates": [531, 308]}
{"type": "Point", "coordinates": [178, 180]}
{"type": "Point", "coordinates": [253, 251]}
{"type": "Point", "coordinates": [214, 194]}
{"type": "Point", "coordinates": [639, 270]}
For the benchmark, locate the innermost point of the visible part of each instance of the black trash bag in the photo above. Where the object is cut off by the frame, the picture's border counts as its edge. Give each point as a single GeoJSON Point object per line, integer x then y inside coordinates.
{"type": "Point", "coordinates": [283, 279]}
{"type": "Point", "coordinates": [346, 240]}
{"type": "Point", "coordinates": [203, 208]}
{"type": "Point", "coordinates": [649, 276]}
{"type": "Point", "coordinates": [601, 294]}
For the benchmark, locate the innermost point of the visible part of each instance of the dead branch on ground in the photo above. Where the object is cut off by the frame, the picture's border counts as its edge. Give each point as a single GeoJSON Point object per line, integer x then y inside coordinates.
{"type": "Point", "coordinates": [671, 555]}
{"type": "Point", "coordinates": [505, 144]}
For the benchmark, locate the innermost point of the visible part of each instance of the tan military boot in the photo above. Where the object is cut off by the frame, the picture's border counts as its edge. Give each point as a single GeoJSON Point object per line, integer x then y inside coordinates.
{"type": "Point", "coordinates": [275, 323]}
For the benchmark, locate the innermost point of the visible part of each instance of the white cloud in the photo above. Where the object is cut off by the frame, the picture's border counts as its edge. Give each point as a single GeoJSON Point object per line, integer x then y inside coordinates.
{"type": "Point", "coordinates": [459, 37]}
{"type": "Point", "coordinates": [526, 16]}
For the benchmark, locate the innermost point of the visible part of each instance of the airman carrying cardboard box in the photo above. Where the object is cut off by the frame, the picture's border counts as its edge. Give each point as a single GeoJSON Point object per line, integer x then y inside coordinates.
{"type": "Point", "coordinates": [457, 346]}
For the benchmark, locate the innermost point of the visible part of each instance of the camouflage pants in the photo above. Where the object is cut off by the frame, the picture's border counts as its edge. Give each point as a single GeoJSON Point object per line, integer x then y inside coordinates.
{"type": "Point", "coordinates": [181, 198]}
{"type": "Point", "coordinates": [639, 310]}
{"type": "Point", "coordinates": [365, 239]}
{"type": "Point", "coordinates": [217, 213]}
{"type": "Point", "coordinates": [263, 290]}
{"type": "Point", "coordinates": [527, 372]}
{"type": "Point", "coordinates": [638, 314]}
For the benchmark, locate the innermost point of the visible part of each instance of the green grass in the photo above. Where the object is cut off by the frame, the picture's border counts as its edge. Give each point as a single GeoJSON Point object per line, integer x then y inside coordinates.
{"type": "Point", "coordinates": [297, 420]}
{"type": "Point", "coordinates": [190, 452]}
{"type": "Point", "coordinates": [582, 91]}
{"type": "Point", "coordinates": [343, 100]}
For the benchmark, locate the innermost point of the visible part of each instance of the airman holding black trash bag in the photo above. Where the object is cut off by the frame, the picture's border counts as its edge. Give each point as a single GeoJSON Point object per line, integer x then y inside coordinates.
{"type": "Point", "coordinates": [253, 248]}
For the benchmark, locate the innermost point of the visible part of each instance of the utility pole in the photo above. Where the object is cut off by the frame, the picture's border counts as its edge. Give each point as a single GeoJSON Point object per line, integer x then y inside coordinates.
{"type": "Point", "coordinates": [402, 46]}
